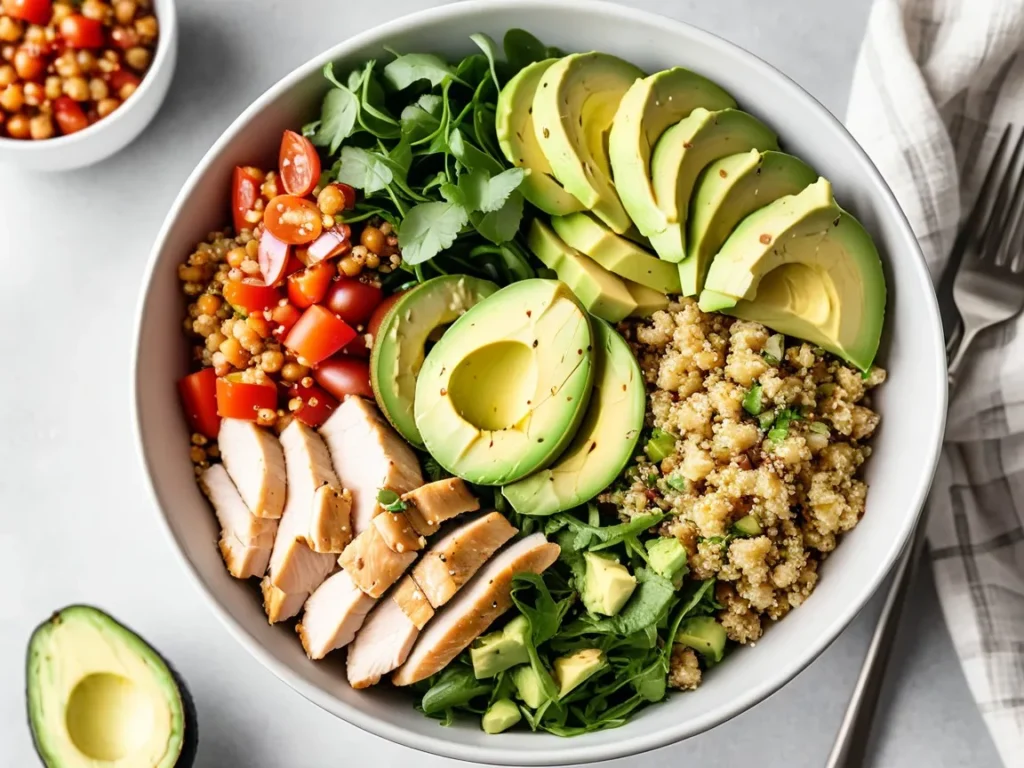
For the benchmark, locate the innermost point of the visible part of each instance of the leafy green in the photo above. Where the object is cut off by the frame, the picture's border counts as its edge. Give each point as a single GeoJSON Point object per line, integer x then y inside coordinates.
{"type": "Point", "coordinates": [337, 115]}
{"type": "Point", "coordinates": [390, 501]}
{"type": "Point", "coordinates": [456, 686]}
{"type": "Point", "coordinates": [428, 229]}
{"type": "Point", "coordinates": [780, 426]}
{"type": "Point", "coordinates": [646, 608]}
{"type": "Point", "coordinates": [364, 170]}
{"type": "Point", "coordinates": [490, 49]}
{"type": "Point", "coordinates": [523, 49]}
{"type": "Point", "coordinates": [412, 67]}
{"type": "Point", "coordinates": [594, 537]}
{"type": "Point", "coordinates": [661, 445]}
{"type": "Point", "coordinates": [483, 192]}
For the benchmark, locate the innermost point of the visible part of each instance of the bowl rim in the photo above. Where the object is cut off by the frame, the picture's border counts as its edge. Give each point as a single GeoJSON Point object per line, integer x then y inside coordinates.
{"type": "Point", "coordinates": [167, 17]}
{"type": "Point", "coordinates": [631, 744]}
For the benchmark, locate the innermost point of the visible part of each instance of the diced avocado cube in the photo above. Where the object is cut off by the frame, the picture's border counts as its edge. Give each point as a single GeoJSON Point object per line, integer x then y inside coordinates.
{"type": "Point", "coordinates": [668, 556]}
{"type": "Point", "coordinates": [747, 526]}
{"type": "Point", "coordinates": [501, 716]}
{"type": "Point", "coordinates": [575, 669]}
{"type": "Point", "coordinates": [703, 634]}
{"type": "Point", "coordinates": [607, 585]}
{"type": "Point", "coordinates": [528, 686]}
{"type": "Point", "coordinates": [502, 650]}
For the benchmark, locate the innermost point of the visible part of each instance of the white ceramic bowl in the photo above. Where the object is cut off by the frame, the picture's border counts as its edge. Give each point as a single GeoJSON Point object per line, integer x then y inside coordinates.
{"type": "Point", "coordinates": [111, 134]}
{"type": "Point", "coordinates": [912, 402]}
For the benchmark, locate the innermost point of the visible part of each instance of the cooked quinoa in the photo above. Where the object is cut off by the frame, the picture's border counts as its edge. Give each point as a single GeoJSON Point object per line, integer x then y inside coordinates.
{"type": "Point", "coordinates": [795, 469]}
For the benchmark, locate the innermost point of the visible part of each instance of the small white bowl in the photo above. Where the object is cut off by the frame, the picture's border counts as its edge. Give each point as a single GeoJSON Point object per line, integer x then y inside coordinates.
{"type": "Point", "coordinates": [912, 402]}
{"type": "Point", "coordinates": [114, 132]}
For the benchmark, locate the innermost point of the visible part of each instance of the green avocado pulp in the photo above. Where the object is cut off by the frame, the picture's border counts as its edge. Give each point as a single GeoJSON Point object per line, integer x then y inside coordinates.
{"type": "Point", "coordinates": [491, 387]}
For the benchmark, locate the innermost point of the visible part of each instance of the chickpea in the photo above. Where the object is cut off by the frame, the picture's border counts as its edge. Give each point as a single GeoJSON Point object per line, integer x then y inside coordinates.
{"type": "Point", "coordinates": [95, 9]}
{"type": "Point", "coordinates": [41, 127]}
{"type": "Point", "coordinates": [137, 58]}
{"type": "Point", "coordinates": [126, 90]}
{"type": "Point", "coordinates": [252, 249]}
{"type": "Point", "coordinates": [35, 35]}
{"type": "Point", "coordinates": [34, 94]}
{"type": "Point", "coordinates": [124, 37]}
{"type": "Point", "coordinates": [28, 65]}
{"type": "Point", "coordinates": [52, 87]}
{"type": "Point", "coordinates": [208, 304]}
{"type": "Point", "coordinates": [330, 200]}
{"type": "Point", "coordinates": [60, 12]}
{"type": "Point", "coordinates": [234, 354]}
{"type": "Point", "coordinates": [124, 11]}
{"type": "Point", "coordinates": [349, 267]}
{"type": "Point", "coordinates": [77, 88]}
{"type": "Point", "coordinates": [266, 417]}
{"type": "Point", "coordinates": [67, 65]}
{"type": "Point", "coordinates": [235, 257]}
{"type": "Point", "coordinates": [385, 228]}
{"type": "Point", "coordinates": [86, 61]}
{"type": "Point", "coordinates": [373, 239]}
{"type": "Point", "coordinates": [107, 107]}
{"type": "Point", "coordinates": [18, 127]}
{"type": "Point", "coordinates": [214, 340]}
{"type": "Point", "coordinates": [7, 75]}
{"type": "Point", "coordinates": [372, 260]}
{"type": "Point", "coordinates": [147, 27]}
{"type": "Point", "coordinates": [12, 98]}
{"type": "Point", "coordinates": [98, 89]}
{"type": "Point", "coordinates": [293, 372]}
{"type": "Point", "coordinates": [10, 29]}
{"type": "Point", "coordinates": [271, 361]}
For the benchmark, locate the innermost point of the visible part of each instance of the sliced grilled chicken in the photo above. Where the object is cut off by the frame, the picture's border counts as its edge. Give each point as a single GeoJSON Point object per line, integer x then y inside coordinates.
{"type": "Point", "coordinates": [254, 460]}
{"type": "Point", "coordinates": [382, 645]}
{"type": "Point", "coordinates": [430, 505]}
{"type": "Point", "coordinates": [413, 602]}
{"type": "Point", "coordinates": [245, 540]}
{"type": "Point", "coordinates": [374, 566]}
{"type": "Point", "coordinates": [368, 455]}
{"type": "Point", "coordinates": [397, 533]}
{"type": "Point", "coordinates": [474, 609]}
{"type": "Point", "coordinates": [334, 613]}
{"type": "Point", "coordinates": [455, 557]}
{"type": "Point", "coordinates": [280, 605]}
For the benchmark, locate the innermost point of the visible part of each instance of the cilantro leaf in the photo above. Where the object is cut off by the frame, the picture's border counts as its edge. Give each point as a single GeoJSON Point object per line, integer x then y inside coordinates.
{"type": "Point", "coordinates": [428, 229]}
{"type": "Point", "coordinates": [502, 225]}
{"type": "Point", "coordinates": [364, 170]}
{"type": "Point", "coordinates": [337, 119]}
{"type": "Point", "coordinates": [413, 67]}
{"type": "Point", "coordinates": [483, 192]}
{"type": "Point", "coordinates": [490, 49]}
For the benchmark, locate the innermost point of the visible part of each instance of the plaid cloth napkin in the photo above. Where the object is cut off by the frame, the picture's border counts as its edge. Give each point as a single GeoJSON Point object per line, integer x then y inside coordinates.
{"type": "Point", "coordinates": [935, 85]}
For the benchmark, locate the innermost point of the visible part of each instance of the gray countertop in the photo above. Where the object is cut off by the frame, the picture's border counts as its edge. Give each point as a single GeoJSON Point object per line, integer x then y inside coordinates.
{"type": "Point", "coordinates": [76, 525]}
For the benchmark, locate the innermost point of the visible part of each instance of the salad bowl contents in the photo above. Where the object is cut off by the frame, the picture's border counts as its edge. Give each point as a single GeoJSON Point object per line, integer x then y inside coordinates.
{"type": "Point", "coordinates": [529, 386]}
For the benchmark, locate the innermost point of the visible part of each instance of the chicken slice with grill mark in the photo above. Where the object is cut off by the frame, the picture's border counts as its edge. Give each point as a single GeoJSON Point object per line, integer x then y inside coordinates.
{"type": "Point", "coordinates": [413, 602]}
{"type": "Point", "coordinates": [333, 615]}
{"type": "Point", "coordinates": [430, 505]}
{"type": "Point", "coordinates": [255, 461]}
{"type": "Point", "coordinates": [245, 540]}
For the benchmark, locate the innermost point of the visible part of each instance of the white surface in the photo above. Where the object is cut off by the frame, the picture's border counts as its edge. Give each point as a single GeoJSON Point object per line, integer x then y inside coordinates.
{"type": "Point", "coordinates": [74, 524]}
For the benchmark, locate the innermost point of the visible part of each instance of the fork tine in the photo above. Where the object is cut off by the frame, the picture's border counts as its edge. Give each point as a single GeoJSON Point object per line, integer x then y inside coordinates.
{"type": "Point", "coordinates": [1013, 246]}
{"type": "Point", "coordinates": [995, 227]}
{"type": "Point", "coordinates": [972, 228]}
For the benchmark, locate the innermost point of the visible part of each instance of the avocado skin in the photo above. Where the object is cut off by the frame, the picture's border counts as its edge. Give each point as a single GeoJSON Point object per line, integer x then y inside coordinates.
{"type": "Point", "coordinates": [190, 742]}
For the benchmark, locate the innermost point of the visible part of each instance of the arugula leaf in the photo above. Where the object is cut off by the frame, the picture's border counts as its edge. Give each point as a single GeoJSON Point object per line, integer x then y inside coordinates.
{"type": "Point", "coordinates": [364, 170]}
{"type": "Point", "coordinates": [545, 617]}
{"type": "Point", "coordinates": [490, 49]}
{"type": "Point", "coordinates": [413, 67]}
{"type": "Point", "coordinates": [646, 608]}
{"type": "Point", "coordinates": [337, 118]}
{"type": "Point", "coordinates": [597, 538]}
{"type": "Point", "coordinates": [428, 229]}
{"type": "Point", "coordinates": [522, 49]}
{"type": "Point", "coordinates": [373, 116]}
{"type": "Point", "coordinates": [456, 686]}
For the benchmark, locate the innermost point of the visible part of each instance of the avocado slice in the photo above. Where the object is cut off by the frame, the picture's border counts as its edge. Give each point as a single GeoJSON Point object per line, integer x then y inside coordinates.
{"type": "Point", "coordinates": [605, 441]}
{"type": "Point", "coordinates": [649, 107]}
{"type": "Point", "coordinates": [804, 267]}
{"type": "Point", "coordinates": [514, 126]}
{"type": "Point", "coordinates": [574, 670]}
{"type": "Point", "coordinates": [747, 526]}
{"type": "Point", "coordinates": [603, 294]}
{"type": "Point", "coordinates": [703, 634]}
{"type": "Point", "coordinates": [648, 301]}
{"type": "Point", "coordinates": [607, 584]}
{"type": "Point", "coordinates": [573, 110]}
{"type": "Point", "coordinates": [682, 152]}
{"type": "Point", "coordinates": [98, 693]}
{"type": "Point", "coordinates": [500, 716]}
{"type": "Point", "coordinates": [400, 346]}
{"type": "Point", "coordinates": [498, 651]}
{"type": "Point", "coordinates": [528, 686]}
{"type": "Point", "coordinates": [667, 556]}
{"type": "Point", "coordinates": [504, 390]}
{"type": "Point", "coordinates": [616, 253]}
{"type": "Point", "coordinates": [727, 192]}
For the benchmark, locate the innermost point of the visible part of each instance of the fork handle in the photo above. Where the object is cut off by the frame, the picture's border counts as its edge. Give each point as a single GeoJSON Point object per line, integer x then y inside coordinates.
{"type": "Point", "coordinates": [964, 343]}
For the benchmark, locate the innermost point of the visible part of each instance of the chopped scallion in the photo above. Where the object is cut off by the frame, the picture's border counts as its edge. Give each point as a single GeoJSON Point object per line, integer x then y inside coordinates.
{"type": "Point", "coordinates": [765, 419]}
{"type": "Point", "coordinates": [661, 445]}
{"type": "Point", "coordinates": [752, 400]}
{"type": "Point", "coordinates": [390, 501]}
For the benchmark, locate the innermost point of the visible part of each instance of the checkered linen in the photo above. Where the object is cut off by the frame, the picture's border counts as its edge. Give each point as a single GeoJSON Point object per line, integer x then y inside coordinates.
{"type": "Point", "coordinates": [936, 82]}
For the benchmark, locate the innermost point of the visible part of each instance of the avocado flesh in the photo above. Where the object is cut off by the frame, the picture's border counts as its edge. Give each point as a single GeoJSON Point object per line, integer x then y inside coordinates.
{"type": "Point", "coordinates": [605, 441]}
{"type": "Point", "coordinates": [498, 651]}
{"type": "Point", "coordinates": [574, 670]}
{"type": "Point", "coordinates": [500, 716]}
{"type": "Point", "coordinates": [514, 126]}
{"type": "Point", "coordinates": [667, 556]}
{"type": "Point", "coordinates": [602, 294]}
{"type": "Point", "coordinates": [704, 635]}
{"type": "Point", "coordinates": [617, 254]}
{"type": "Point", "coordinates": [647, 110]}
{"type": "Point", "coordinates": [400, 346]}
{"type": "Point", "coordinates": [98, 693]}
{"type": "Point", "coordinates": [818, 277]}
{"type": "Point", "coordinates": [528, 686]}
{"type": "Point", "coordinates": [607, 585]}
{"type": "Point", "coordinates": [682, 152]}
{"type": "Point", "coordinates": [648, 301]}
{"type": "Point", "coordinates": [573, 110]}
{"type": "Point", "coordinates": [504, 390]}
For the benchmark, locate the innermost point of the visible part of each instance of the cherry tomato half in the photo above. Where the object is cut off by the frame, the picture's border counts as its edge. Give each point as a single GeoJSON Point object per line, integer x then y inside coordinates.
{"type": "Point", "coordinates": [309, 286]}
{"type": "Point", "coordinates": [283, 317]}
{"type": "Point", "coordinates": [299, 164]}
{"type": "Point", "coordinates": [317, 404]}
{"type": "Point", "coordinates": [347, 192]}
{"type": "Point", "coordinates": [250, 295]}
{"type": "Point", "coordinates": [333, 242]}
{"type": "Point", "coordinates": [295, 220]}
{"type": "Point", "coordinates": [378, 314]}
{"type": "Point", "coordinates": [352, 300]}
{"type": "Point", "coordinates": [357, 347]}
{"type": "Point", "coordinates": [80, 31]}
{"type": "Point", "coordinates": [245, 191]}
{"type": "Point", "coordinates": [199, 399]}
{"type": "Point", "coordinates": [318, 334]}
{"type": "Point", "coordinates": [70, 116]}
{"type": "Point", "coordinates": [119, 78]}
{"type": "Point", "coordinates": [28, 64]}
{"type": "Point", "coordinates": [344, 375]}
{"type": "Point", "coordinates": [32, 11]}
{"type": "Point", "coordinates": [237, 399]}
{"type": "Point", "coordinates": [273, 258]}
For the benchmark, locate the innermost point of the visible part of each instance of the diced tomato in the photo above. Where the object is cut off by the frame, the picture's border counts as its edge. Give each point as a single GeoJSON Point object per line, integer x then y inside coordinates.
{"type": "Point", "coordinates": [80, 31]}
{"type": "Point", "coordinates": [119, 78]}
{"type": "Point", "coordinates": [317, 404]}
{"type": "Point", "coordinates": [333, 242]}
{"type": "Point", "coordinates": [199, 398]}
{"type": "Point", "coordinates": [70, 116]}
{"type": "Point", "coordinates": [299, 164]}
{"type": "Point", "coordinates": [378, 314]}
{"type": "Point", "coordinates": [295, 220]}
{"type": "Point", "coordinates": [309, 286]}
{"type": "Point", "coordinates": [357, 347]}
{"type": "Point", "coordinates": [29, 64]}
{"type": "Point", "coordinates": [318, 334]}
{"type": "Point", "coordinates": [245, 191]}
{"type": "Point", "coordinates": [237, 399]}
{"type": "Point", "coordinates": [283, 317]}
{"type": "Point", "coordinates": [124, 37]}
{"type": "Point", "coordinates": [273, 258]}
{"type": "Point", "coordinates": [348, 192]}
{"type": "Point", "coordinates": [250, 295]}
{"type": "Point", "coordinates": [344, 375]}
{"type": "Point", "coordinates": [32, 11]}
{"type": "Point", "coordinates": [353, 301]}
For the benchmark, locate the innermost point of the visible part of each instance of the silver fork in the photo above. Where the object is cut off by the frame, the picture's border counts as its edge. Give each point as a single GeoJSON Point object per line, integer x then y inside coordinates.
{"type": "Point", "coordinates": [988, 289]}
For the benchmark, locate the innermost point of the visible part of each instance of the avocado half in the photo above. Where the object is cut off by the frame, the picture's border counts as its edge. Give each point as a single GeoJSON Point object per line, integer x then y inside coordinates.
{"type": "Point", "coordinates": [98, 694]}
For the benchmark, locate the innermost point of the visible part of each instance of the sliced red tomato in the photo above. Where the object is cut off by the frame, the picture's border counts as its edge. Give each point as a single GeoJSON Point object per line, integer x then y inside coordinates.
{"type": "Point", "coordinates": [250, 295]}
{"type": "Point", "coordinates": [318, 334]}
{"type": "Point", "coordinates": [32, 11]}
{"type": "Point", "coordinates": [378, 314]}
{"type": "Point", "coordinates": [245, 191]}
{"type": "Point", "coordinates": [119, 78]}
{"type": "Point", "coordinates": [353, 301]}
{"type": "Point", "coordinates": [344, 375]}
{"type": "Point", "coordinates": [357, 347]}
{"type": "Point", "coordinates": [298, 163]}
{"type": "Point", "coordinates": [332, 242]}
{"type": "Point", "coordinates": [70, 116]}
{"type": "Point", "coordinates": [293, 219]}
{"type": "Point", "coordinates": [317, 404]}
{"type": "Point", "coordinates": [283, 318]}
{"type": "Point", "coordinates": [237, 399]}
{"type": "Point", "coordinates": [273, 258]}
{"type": "Point", "coordinates": [199, 398]}
{"type": "Point", "coordinates": [80, 31]}
{"type": "Point", "coordinates": [309, 286]}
